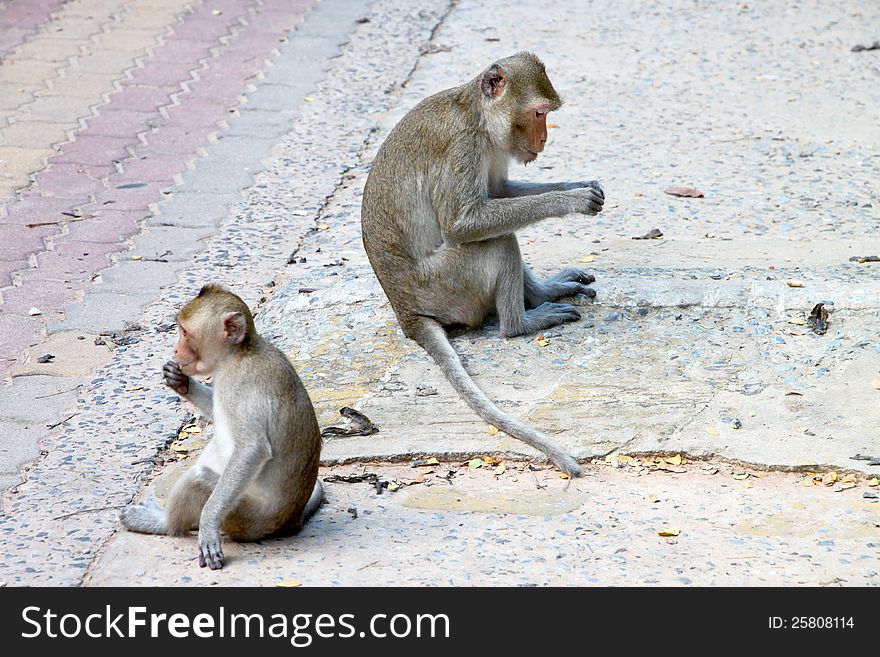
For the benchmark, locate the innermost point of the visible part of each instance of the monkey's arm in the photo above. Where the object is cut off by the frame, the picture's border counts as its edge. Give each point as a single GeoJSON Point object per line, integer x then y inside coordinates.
{"type": "Point", "coordinates": [250, 454]}
{"type": "Point", "coordinates": [494, 217]}
{"type": "Point", "coordinates": [515, 189]}
{"type": "Point", "coordinates": [202, 395]}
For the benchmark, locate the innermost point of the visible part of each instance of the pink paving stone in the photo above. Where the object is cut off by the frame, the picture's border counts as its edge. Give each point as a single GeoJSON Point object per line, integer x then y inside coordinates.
{"type": "Point", "coordinates": [19, 332]}
{"type": "Point", "coordinates": [184, 51]}
{"type": "Point", "coordinates": [48, 298]}
{"type": "Point", "coordinates": [200, 115]}
{"type": "Point", "coordinates": [74, 260]}
{"type": "Point", "coordinates": [196, 31]}
{"type": "Point", "coordinates": [141, 98]}
{"type": "Point", "coordinates": [137, 198]}
{"type": "Point", "coordinates": [153, 168]}
{"type": "Point", "coordinates": [175, 139]}
{"type": "Point", "coordinates": [111, 227]}
{"type": "Point", "coordinates": [17, 242]}
{"type": "Point", "coordinates": [95, 149]}
{"type": "Point", "coordinates": [170, 74]}
{"type": "Point", "coordinates": [66, 181]}
{"type": "Point", "coordinates": [36, 209]}
{"type": "Point", "coordinates": [121, 123]}
{"type": "Point", "coordinates": [7, 269]}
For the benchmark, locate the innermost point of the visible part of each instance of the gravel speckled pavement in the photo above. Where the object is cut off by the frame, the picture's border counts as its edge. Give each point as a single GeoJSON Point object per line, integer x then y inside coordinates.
{"type": "Point", "coordinates": [698, 343]}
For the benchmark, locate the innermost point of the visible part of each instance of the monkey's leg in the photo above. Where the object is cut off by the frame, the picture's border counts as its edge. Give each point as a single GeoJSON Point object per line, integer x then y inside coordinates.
{"type": "Point", "coordinates": [145, 518]}
{"type": "Point", "coordinates": [567, 283]}
{"type": "Point", "coordinates": [188, 498]}
{"type": "Point", "coordinates": [510, 296]}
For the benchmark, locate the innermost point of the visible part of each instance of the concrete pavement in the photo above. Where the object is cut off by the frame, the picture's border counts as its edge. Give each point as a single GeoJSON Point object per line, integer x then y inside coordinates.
{"type": "Point", "coordinates": [697, 343]}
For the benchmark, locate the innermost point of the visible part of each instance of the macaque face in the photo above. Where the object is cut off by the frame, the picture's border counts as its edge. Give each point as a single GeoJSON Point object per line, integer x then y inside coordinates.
{"type": "Point", "coordinates": [193, 351]}
{"type": "Point", "coordinates": [529, 133]}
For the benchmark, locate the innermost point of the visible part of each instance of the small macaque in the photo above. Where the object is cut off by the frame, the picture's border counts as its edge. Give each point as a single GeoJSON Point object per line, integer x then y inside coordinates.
{"type": "Point", "coordinates": [440, 216]}
{"type": "Point", "coordinates": [258, 476]}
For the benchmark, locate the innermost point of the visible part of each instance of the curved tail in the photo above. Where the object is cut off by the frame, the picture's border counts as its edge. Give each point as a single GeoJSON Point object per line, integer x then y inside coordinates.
{"type": "Point", "coordinates": [433, 339]}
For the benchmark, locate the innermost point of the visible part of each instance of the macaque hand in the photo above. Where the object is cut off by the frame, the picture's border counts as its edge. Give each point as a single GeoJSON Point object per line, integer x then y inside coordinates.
{"type": "Point", "coordinates": [175, 379]}
{"type": "Point", "coordinates": [210, 552]}
{"type": "Point", "coordinates": [588, 198]}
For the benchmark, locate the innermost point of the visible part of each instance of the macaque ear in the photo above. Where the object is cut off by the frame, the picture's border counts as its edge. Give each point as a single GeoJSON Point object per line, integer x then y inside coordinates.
{"type": "Point", "coordinates": [234, 328]}
{"type": "Point", "coordinates": [494, 81]}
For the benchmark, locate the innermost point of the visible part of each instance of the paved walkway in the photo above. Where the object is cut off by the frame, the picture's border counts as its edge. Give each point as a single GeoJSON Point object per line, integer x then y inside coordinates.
{"type": "Point", "coordinates": [696, 345]}
{"type": "Point", "coordinates": [103, 105]}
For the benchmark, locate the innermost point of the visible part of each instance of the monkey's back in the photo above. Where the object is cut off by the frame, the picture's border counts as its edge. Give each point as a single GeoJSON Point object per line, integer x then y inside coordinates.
{"type": "Point", "coordinates": [287, 416]}
{"type": "Point", "coordinates": [399, 221]}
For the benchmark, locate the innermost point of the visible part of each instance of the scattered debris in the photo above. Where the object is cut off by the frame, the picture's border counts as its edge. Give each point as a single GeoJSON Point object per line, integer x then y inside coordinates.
{"type": "Point", "coordinates": [860, 48]}
{"type": "Point", "coordinates": [354, 423]}
{"type": "Point", "coordinates": [862, 259]}
{"type": "Point", "coordinates": [46, 358]}
{"type": "Point", "coordinates": [353, 511]}
{"type": "Point", "coordinates": [289, 583]}
{"type": "Point", "coordinates": [307, 290]}
{"type": "Point", "coordinates": [794, 283]}
{"type": "Point", "coordinates": [434, 48]}
{"type": "Point", "coordinates": [425, 391]}
{"type": "Point", "coordinates": [653, 234]}
{"type": "Point", "coordinates": [685, 191]}
{"type": "Point", "coordinates": [673, 531]}
{"type": "Point", "coordinates": [33, 312]}
{"type": "Point", "coordinates": [818, 319]}
{"type": "Point", "coordinates": [369, 477]}
{"type": "Point", "coordinates": [420, 463]}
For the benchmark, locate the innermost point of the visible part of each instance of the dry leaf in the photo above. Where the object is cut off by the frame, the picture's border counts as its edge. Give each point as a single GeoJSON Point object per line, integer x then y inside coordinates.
{"type": "Point", "coordinates": [393, 486]}
{"type": "Point", "coordinates": [134, 388]}
{"type": "Point", "coordinates": [652, 499]}
{"type": "Point", "coordinates": [873, 482]}
{"type": "Point", "coordinates": [542, 341]}
{"type": "Point", "coordinates": [712, 431]}
{"type": "Point", "coordinates": [797, 320]}
{"type": "Point", "coordinates": [552, 125]}
{"type": "Point", "coordinates": [492, 429]}
{"type": "Point", "coordinates": [741, 476]}
{"type": "Point", "coordinates": [845, 486]}
{"type": "Point", "coordinates": [875, 384]}
{"type": "Point", "coordinates": [137, 257]}
{"type": "Point", "coordinates": [475, 463]}
{"type": "Point", "coordinates": [323, 226]}
{"type": "Point", "coordinates": [794, 283]}
{"type": "Point", "coordinates": [685, 191]}
{"type": "Point", "coordinates": [490, 460]}
{"type": "Point", "coordinates": [177, 447]}
{"type": "Point", "coordinates": [499, 470]}
{"type": "Point", "coordinates": [588, 259]}
{"type": "Point", "coordinates": [669, 532]}
{"type": "Point", "coordinates": [674, 460]}
{"type": "Point", "coordinates": [562, 475]}
{"type": "Point", "coordinates": [432, 461]}
{"type": "Point", "coordinates": [829, 478]}
{"type": "Point", "coordinates": [289, 583]}
{"type": "Point", "coordinates": [310, 99]}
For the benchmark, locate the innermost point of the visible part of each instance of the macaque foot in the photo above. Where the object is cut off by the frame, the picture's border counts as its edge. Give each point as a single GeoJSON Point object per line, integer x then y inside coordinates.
{"type": "Point", "coordinates": [570, 282]}
{"type": "Point", "coordinates": [210, 552]}
{"type": "Point", "coordinates": [543, 317]}
{"type": "Point", "coordinates": [146, 518]}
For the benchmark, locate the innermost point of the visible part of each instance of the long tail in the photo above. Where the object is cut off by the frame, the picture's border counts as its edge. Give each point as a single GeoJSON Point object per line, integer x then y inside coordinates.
{"type": "Point", "coordinates": [315, 500]}
{"type": "Point", "coordinates": [433, 339]}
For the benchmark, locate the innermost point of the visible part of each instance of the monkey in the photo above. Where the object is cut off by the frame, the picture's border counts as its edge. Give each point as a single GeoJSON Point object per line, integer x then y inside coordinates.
{"type": "Point", "coordinates": [439, 218]}
{"type": "Point", "coordinates": [258, 476]}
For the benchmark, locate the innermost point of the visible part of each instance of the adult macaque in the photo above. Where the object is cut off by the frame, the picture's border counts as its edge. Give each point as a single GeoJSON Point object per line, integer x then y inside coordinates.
{"type": "Point", "coordinates": [439, 219]}
{"type": "Point", "coordinates": [258, 477]}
